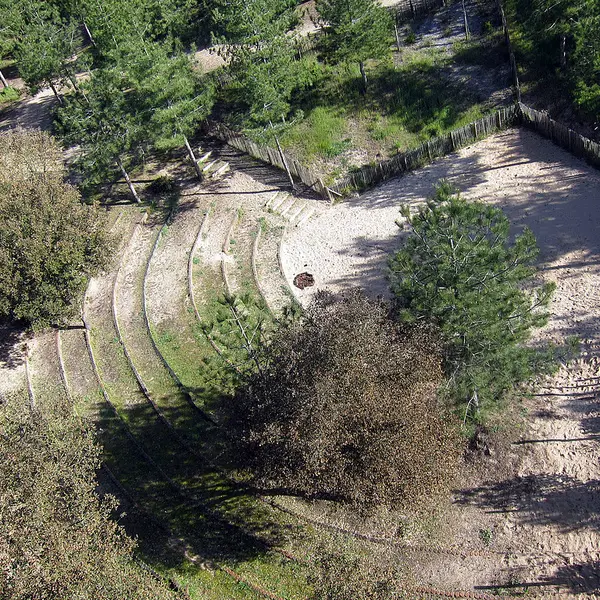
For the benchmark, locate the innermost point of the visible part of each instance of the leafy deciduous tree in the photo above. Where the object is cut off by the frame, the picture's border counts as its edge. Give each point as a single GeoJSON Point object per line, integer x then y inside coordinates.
{"type": "Point", "coordinates": [344, 407]}
{"type": "Point", "coordinates": [58, 540]}
{"type": "Point", "coordinates": [50, 242]}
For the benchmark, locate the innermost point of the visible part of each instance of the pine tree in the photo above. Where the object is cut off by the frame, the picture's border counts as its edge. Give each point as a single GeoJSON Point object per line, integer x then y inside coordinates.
{"type": "Point", "coordinates": [175, 95]}
{"type": "Point", "coordinates": [261, 54]}
{"type": "Point", "coordinates": [459, 269]}
{"type": "Point", "coordinates": [106, 123]}
{"type": "Point", "coordinates": [45, 46]}
{"type": "Point", "coordinates": [357, 31]}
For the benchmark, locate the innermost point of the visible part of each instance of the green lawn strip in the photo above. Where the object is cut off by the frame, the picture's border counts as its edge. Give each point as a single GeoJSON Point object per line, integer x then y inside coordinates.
{"type": "Point", "coordinates": [163, 389]}
{"type": "Point", "coordinates": [405, 106]}
{"type": "Point", "coordinates": [156, 497]}
{"type": "Point", "coordinates": [287, 577]}
{"type": "Point", "coordinates": [48, 388]}
{"type": "Point", "coordinates": [211, 585]}
{"type": "Point", "coordinates": [188, 352]}
{"type": "Point", "coordinates": [241, 248]}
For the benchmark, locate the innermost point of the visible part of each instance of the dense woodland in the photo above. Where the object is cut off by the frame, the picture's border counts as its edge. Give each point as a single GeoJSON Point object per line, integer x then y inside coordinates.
{"type": "Point", "coordinates": [136, 86]}
{"type": "Point", "coordinates": [311, 405]}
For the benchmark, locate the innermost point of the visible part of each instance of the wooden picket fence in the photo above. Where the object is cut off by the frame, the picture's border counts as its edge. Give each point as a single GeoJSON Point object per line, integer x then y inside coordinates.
{"type": "Point", "coordinates": [409, 9]}
{"type": "Point", "coordinates": [271, 156]}
{"type": "Point", "coordinates": [560, 134]}
{"type": "Point", "coordinates": [370, 175]}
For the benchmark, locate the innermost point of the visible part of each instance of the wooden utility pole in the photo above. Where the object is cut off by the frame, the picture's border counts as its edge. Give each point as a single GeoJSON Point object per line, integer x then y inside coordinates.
{"type": "Point", "coordinates": [466, 20]}
{"type": "Point", "coordinates": [284, 161]}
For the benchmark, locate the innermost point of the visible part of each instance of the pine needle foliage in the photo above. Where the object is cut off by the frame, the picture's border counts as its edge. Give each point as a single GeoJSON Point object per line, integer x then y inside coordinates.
{"type": "Point", "coordinates": [344, 407]}
{"type": "Point", "coordinates": [357, 30]}
{"type": "Point", "coordinates": [460, 269]}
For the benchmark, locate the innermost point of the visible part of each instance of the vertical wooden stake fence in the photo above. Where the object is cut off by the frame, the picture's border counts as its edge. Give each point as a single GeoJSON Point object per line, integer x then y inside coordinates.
{"type": "Point", "coordinates": [285, 165]}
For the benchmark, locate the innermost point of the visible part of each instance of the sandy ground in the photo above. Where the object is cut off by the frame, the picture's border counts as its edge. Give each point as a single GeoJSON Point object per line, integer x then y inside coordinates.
{"type": "Point", "coordinates": [545, 516]}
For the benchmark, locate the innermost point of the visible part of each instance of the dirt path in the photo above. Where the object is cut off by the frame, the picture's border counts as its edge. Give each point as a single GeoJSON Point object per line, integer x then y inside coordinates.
{"type": "Point", "coordinates": [544, 515]}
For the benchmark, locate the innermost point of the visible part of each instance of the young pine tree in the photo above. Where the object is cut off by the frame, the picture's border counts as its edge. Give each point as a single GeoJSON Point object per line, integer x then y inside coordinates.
{"type": "Point", "coordinates": [358, 30]}
{"type": "Point", "coordinates": [460, 269]}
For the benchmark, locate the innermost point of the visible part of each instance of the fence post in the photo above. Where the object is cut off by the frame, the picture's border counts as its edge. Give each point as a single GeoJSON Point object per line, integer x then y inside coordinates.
{"type": "Point", "coordinates": [513, 66]}
{"type": "Point", "coordinates": [284, 161]}
{"type": "Point", "coordinates": [397, 35]}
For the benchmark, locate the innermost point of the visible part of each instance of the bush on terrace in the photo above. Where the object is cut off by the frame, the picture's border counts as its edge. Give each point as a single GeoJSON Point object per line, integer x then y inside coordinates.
{"type": "Point", "coordinates": [344, 407]}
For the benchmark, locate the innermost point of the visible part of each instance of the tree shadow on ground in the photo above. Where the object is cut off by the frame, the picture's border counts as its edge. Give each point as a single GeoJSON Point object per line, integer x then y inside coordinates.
{"type": "Point", "coordinates": [580, 577]}
{"type": "Point", "coordinates": [545, 499]}
{"type": "Point", "coordinates": [30, 113]}
{"type": "Point", "coordinates": [182, 494]}
{"type": "Point", "coordinates": [12, 351]}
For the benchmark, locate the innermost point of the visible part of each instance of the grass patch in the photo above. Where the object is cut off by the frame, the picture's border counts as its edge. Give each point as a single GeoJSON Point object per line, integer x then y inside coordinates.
{"type": "Point", "coordinates": [8, 95]}
{"type": "Point", "coordinates": [321, 134]}
{"type": "Point", "coordinates": [403, 107]}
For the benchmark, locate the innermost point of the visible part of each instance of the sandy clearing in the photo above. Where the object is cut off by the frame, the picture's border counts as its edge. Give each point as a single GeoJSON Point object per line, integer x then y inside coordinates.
{"type": "Point", "coordinates": [536, 183]}
{"type": "Point", "coordinates": [545, 515]}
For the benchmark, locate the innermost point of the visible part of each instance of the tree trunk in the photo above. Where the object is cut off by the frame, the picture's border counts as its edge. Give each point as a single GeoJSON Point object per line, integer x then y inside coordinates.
{"type": "Point", "coordinates": [58, 96]}
{"type": "Point", "coordinates": [397, 37]}
{"type": "Point", "coordinates": [89, 34]}
{"type": "Point", "coordinates": [466, 20]}
{"type": "Point", "coordinates": [3, 80]}
{"type": "Point", "coordinates": [192, 156]}
{"type": "Point", "coordinates": [284, 161]}
{"type": "Point", "coordinates": [361, 65]}
{"type": "Point", "coordinates": [563, 51]}
{"type": "Point", "coordinates": [73, 81]}
{"type": "Point", "coordinates": [128, 180]}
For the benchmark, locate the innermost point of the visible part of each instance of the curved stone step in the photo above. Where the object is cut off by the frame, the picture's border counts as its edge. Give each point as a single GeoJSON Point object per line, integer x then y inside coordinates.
{"type": "Point", "coordinates": [168, 305]}
{"type": "Point", "coordinates": [270, 280]}
{"type": "Point", "coordinates": [208, 282]}
{"type": "Point", "coordinates": [121, 386]}
{"type": "Point", "coordinates": [171, 405]}
{"type": "Point", "coordinates": [90, 401]}
{"type": "Point", "coordinates": [240, 249]}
